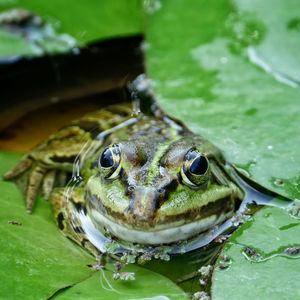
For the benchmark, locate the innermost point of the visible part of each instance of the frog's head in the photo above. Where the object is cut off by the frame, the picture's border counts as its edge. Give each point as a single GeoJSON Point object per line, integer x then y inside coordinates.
{"type": "Point", "coordinates": [151, 192]}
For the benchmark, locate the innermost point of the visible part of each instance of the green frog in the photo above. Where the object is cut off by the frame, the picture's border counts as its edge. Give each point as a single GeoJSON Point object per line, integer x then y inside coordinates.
{"type": "Point", "coordinates": [142, 181]}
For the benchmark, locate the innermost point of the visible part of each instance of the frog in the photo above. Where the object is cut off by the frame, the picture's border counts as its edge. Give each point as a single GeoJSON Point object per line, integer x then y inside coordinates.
{"type": "Point", "coordinates": [142, 180]}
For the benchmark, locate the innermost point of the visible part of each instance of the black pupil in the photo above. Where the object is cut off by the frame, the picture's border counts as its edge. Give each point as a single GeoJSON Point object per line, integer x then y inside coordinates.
{"type": "Point", "coordinates": [199, 166]}
{"type": "Point", "coordinates": [106, 159]}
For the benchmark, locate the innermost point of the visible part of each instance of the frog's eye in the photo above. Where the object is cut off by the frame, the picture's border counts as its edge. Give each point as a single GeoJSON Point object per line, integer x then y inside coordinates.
{"type": "Point", "coordinates": [110, 162]}
{"type": "Point", "coordinates": [195, 169]}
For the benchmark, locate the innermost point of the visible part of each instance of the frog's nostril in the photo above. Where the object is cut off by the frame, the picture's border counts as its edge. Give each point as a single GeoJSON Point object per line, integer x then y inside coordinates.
{"type": "Point", "coordinates": [161, 191]}
{"type": "Point", "coordinates": [131, 188]}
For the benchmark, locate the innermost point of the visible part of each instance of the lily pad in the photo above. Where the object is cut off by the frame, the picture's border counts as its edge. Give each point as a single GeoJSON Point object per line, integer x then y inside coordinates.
{"type": "Point", "coordinates": [67, 24]}
{"type": "Point", "coordinates": [148, 285]}
{"type": "Point", "coordinates": [38, 262]}
{"type": "Point", "coordinates": [217, 66]}
{"type": "Point", "coordinates": [259, 262]}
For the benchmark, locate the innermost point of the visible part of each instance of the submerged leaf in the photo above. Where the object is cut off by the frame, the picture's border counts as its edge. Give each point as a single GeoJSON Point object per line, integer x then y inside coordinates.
{"type": "Point", "coordinates": [59, 26]}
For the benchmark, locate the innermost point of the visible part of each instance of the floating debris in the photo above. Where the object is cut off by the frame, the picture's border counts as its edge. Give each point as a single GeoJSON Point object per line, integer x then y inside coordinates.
{"type": "Point", "coordinates": [15, 223]}
{"type": "Point", "coordinates": [124, 276]}
{"type": "Point", "coordinates": [292, 250]}
{"type": "Point", "coordinates": [251, 251]}
{"type": "Point", "coordinates": [40, 34]}
{"type": "Point", "coordinates": [201, 296]}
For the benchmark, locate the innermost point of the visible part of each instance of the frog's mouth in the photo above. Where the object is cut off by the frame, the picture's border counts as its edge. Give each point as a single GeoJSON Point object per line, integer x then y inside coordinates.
{"type": "Point", "coordinates": [141, 221]}
{"type": "Point", "coordinates": [155, 235]}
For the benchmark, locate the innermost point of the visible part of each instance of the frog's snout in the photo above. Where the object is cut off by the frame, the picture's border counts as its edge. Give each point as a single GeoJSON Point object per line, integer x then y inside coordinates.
{"type": "Point", "coordinates": [144, 203]}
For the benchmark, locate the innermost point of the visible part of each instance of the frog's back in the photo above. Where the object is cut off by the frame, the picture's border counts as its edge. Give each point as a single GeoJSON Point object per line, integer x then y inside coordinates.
{"type": "Point", "coordinates": [50, 162]}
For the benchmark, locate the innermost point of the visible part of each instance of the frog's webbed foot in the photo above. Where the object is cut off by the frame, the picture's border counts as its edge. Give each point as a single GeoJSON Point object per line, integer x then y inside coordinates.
{"type": "Point", "coordinates": [31, 176]}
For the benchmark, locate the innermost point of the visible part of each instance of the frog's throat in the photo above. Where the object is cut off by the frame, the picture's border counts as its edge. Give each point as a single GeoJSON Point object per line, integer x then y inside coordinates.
{"type": "Point", "coordinates": [156, 237]}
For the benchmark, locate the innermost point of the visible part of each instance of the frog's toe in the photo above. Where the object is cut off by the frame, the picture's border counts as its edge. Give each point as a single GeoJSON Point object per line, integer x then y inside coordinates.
{"type": "Point", "coordinates": [48, 183]}
{"type": "Point", "coordinates": [61, 178]}
{"type": "Point", "coordinates": [21, 167]}
{"type": "Point", "coordinates": [35, 180]}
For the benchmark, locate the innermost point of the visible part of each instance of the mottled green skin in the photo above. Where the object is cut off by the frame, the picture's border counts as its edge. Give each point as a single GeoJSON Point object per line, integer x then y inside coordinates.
{"type": "Point", "coordinates": [149, 192]}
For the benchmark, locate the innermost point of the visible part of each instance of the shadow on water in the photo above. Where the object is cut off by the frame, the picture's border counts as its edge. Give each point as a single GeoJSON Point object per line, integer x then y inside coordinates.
{"type": "Point", "coordinates": [28, 83]}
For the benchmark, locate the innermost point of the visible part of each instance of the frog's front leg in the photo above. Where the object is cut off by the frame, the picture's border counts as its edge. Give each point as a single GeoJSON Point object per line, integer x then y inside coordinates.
{"type": "Point", "coordinates": [64, 203]}
{"type": "Point", "coordinates": [50, 162]}
{"type": "Point", "coordinates": [29, 176]}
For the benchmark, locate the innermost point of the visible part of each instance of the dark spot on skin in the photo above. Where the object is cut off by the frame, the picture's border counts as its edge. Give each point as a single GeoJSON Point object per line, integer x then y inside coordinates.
{"type": "Point", "coordinates": [40, 172]}
{"type": "Point", "coordinates": [172, 186]}
{"type": "Point", "coordinates": [237, 204]}
{"type": "Point", "coordinates": [78, 229]}
{"type": "Point", "coordinates": [83, 242]}
{"type": "Point", "coordinates": [80, 207]}
{"type": "Point", "coordinates": [69, 135]}
{"type": "Point", "coordinates": [62, 159]}
{"type": "Point", "coordinates": [165, 191]}
{"type": "Point", "coordinates": [130, 207]}
{"type": "Point", "coordinates": [124, 182]}
{"type": "Point", "coordinates": [89, 126]}
{"type": "Point", "coordinates": [60, 218]}
{"type": "Point", "coordinates": [94, 164]}
{"type": "Point", "coordinates": [93, 199]}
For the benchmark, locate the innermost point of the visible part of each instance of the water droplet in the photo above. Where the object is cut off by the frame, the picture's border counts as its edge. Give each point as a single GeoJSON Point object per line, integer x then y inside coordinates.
{"type": "Point", "coordinates": [278, 182]}
{"type": "Point", "coordinates": [144, 46]}
{"type": "Point", "coordinates": [76, 51]}
{"type": "Point", "coordinates": [224, 60]}
{"type": "Point", "coordinates": [151, 6]}
{"type": "Point", "coordinates": [135, 108]}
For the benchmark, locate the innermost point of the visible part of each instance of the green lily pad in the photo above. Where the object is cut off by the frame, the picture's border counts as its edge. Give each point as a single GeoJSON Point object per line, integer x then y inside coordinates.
{"type": "Point", "coordinates": [265, 270]}
{"type": "Point", "coordinates": [67, 24]}
{"type": "Point", "coordinates": [148, 285]}
{"type": "Point", "coordinates": [38, 262]}
{"type": "Point", "coordinates": [218, 66]}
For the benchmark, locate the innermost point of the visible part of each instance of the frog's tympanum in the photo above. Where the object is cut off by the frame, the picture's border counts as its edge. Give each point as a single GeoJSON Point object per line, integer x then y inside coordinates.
{"type": "Point", "coordinates": [143, 181]}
